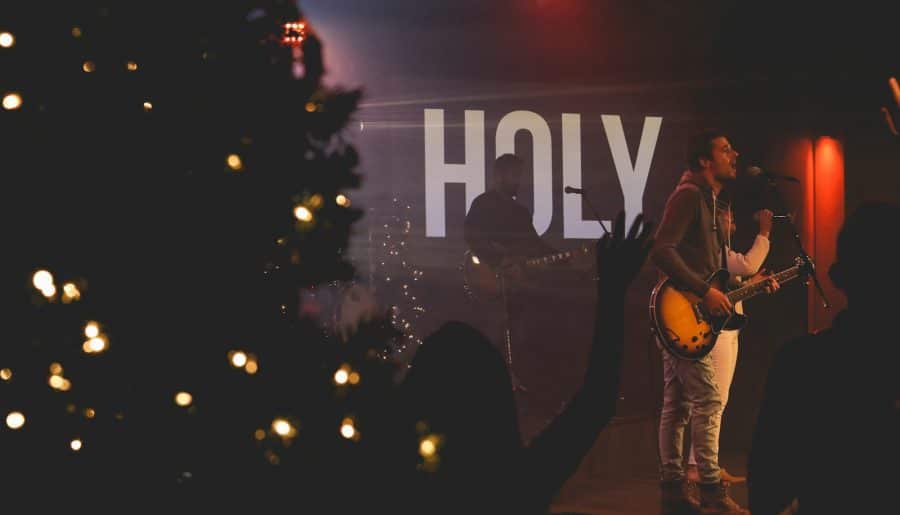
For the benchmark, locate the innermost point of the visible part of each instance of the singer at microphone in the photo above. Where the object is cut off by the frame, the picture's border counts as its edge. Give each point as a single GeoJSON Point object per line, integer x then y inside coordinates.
{"type": "Point", "coordinates": [755, 171]}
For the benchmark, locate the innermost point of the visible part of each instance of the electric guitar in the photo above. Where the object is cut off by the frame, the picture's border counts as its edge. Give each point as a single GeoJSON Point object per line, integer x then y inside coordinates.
{"type": "Point", "coordinates": [686, 329]}
{"type": "Point", "coordinates": [481, 281]}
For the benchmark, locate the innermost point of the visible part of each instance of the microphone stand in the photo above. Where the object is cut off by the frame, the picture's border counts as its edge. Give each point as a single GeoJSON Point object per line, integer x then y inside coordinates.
{"type": "Point", "coordinates": [582, 192]}
{"type": "Point", "coordinates": [803, 255]}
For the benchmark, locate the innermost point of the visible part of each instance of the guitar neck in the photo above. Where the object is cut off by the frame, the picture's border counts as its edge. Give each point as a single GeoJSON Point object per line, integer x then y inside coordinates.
{"type": "Point", "coordinates": [548, 259]}
{"type": "Point", "coordinates": [752, 290]}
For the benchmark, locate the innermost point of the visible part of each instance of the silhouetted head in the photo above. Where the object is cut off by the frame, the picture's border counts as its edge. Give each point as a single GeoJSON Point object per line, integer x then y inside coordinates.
{"type": "Point", "coordinates": [863, 269]}
{"type": "Point", "coordinates": [459, 386]}
{"type": "Point", "coordinates": [508, 170]}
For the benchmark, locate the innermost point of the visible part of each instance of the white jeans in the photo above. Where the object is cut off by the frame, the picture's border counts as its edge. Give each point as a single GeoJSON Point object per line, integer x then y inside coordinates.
{"type": "Point", "coordinates": [724, 360]}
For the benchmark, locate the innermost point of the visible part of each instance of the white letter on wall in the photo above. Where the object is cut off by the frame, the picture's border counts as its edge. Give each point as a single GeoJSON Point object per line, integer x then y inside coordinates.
{"type": "Point", "coordinates": [438, 172]}
{"type": "Point", "coordinates": [573, 225]}
{"type": "Point", "coordinates": [632, 178]}
{"type": "Point", "coordinates": [542, 149]}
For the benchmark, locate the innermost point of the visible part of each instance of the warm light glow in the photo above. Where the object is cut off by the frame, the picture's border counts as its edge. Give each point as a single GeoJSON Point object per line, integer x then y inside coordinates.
{"type": "Point", "coordinates": [259, 434]}
{"type": "Point", "coordinates": [342, 201]}
{"type": "Point", "coordinates": [310, 107]}
{"type": "Point", "coordinates": [97, 344]}
{"type": "Point", "coordinates": [341, 376]}
{"type": "Point", "coordinates": [49, 292]}
{"type": "Point", "coordinates": [70, 292]}
{"type": "Point", "coordinates": [347, 429]}
{"type": "Point", "coordinates": [238, 358]}
{"type": "Point", "coordinates": [303, 214]}
{"type": "Point", "coordinates": [7, 40]}
{"type": "Point", "coordinates": [65, 386]}
{"type": "Point", "coordinates": [76, 32]}
{"type": "Point", "coordinates": [88, 66]}
{"type": "Point", "coordinates": [315, 201]}
{"type": "Point", "coordinates": [92, 330]}
{"type": "Point", "coordinates": [428, 446]}
{"type": "Point", "coordinates": [42, 280]}
{"type": "Point", "coordinates": [183, 399]}
{"type": "Point", "coordinates": [15, 420]}
{"type": "Point", "coordinates": [476, 260]}
{"type": "Point", "coordinates": [75, 445]}
{"type": "Point", "coordinates": [148, 106]}
{"type": "Point", "coordinates": [234, 162]}
{"type": "Point", "coordinates": [56, 368]}
{"type": "Point", "coordinates": [353, 378]}
{"type": "Point", "coordinates": [90, 413]}
{"type": "Point", "coordinates": [56, 382]}
{"type": "Point", "coordinates": [252, 366]}
{"type": "Point", "coordinates": [895, 89]}
{"type": "Point", "coordinates": [131, 66]}
{"type": "Point", "coordinates": [6, 374]}
{"type": "Point", "coordinates": [12, 101]}
{"type": "Point", "coordinates": [283, 428]}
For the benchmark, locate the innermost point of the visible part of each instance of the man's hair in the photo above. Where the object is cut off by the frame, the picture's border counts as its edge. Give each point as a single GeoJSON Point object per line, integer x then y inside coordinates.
{"type": "Point", "coordinates": [700, 147]}
{"type": "Point", "coordinates": [507, 162]}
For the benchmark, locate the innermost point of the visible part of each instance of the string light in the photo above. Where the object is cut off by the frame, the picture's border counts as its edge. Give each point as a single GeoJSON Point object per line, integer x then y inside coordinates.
{"type": "Point", "coordinates": [88, 66]}
{"type": "Point", "coordinates": [148, 106]}
{"type": "Point", "coordinates": [315, 201]}
{"type": "Point", "coordinates": [234, 162]}
{"type": "Point", "coordinates": [95, 345]}
{"type": "Point", "coordinates": [90, 413]}
{"type": "Point", "coordinates": [56, 368]}
{"type": "Point", "coordinates": [131, 66]}
{"type": "Point", "coordinates": [237, 358]}
{"type": "Point", "coordinates": [42, 280]}
{"type": "Point", "coordinates": [56, 382]}
{"type": "Point", "coordinates": [310, 107]}
{"type": "Point", "coordinates": [303, 214]}
{"type": "Point", "coordinates": [7, 40]}
{"type": "Point", "coordinates": [259, 434]}
{"type": "Point", "coordinates": [70, 293]}
{"type": "Point", "coordinates": [6, 374]}
{"type": "Point", "coordinates": [353, 378]}
{"type": "Point", "coordinates": [15, 420]}
{"type": "Point", "coordinates": [294, 34]}
{"type": "Point", "coordinates": [348, 429]}
{"type": "Point", "coordinates": [252, 365]}
{"type": "Point", "coordinates": [76, 32]}
{"type": "Point", "coordinates": [12, 101]}
{"type": "Point", "coordinates": [183, 399]}
{"type": "Point", "coordinates": [342, 375]}
{"type": "Point", "coordinates": [75, 445]}
{"type": "Point", "coordinates": [92, 329]}
{"type": "Point", "coordinates": [428, 446]}
{"type": "Point", "coordinates": [342, 201]}
{"type": "Point", "coordinates": [283, 428]}
{"type": "Point", "coordinates": [65, 386]}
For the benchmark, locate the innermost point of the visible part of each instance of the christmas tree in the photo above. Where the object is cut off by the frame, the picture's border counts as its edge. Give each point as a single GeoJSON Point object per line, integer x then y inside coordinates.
{"type": "Point", "coordinates": [177, 178]}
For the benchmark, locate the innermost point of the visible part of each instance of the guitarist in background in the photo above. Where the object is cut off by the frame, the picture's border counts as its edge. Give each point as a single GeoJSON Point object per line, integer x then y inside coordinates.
{"type": "Point", "coordinates": [689, 247]}
{"type": "Point", "coordinates": [500, 233]}
{"type": "Point", "coordinates": [498, 229]}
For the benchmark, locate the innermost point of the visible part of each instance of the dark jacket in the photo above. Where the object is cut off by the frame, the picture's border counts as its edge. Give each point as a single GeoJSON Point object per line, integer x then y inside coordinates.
{"type": "Point", "coordinates": [689, 240]}
{"type": "Point", "coordinates": [497, 226]}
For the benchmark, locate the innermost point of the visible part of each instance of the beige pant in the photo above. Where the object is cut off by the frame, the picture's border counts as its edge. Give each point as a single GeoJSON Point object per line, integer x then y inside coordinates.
{"type": "Point", "coordinates": [724, 360]}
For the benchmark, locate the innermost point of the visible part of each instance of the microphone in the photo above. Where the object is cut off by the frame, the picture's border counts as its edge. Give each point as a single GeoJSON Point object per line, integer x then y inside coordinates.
{"type": "Point", "coordinates": [755, 171]}
{"type": "Point", "coordinates": [785, 217]}
{"type": "Point", "coordinates": [569, 189]}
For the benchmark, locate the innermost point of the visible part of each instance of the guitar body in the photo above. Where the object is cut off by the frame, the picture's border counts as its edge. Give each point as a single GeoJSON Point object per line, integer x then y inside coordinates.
{"type": "Point", "coordinates": [683, 326]}
{"type": "Point", "coordinates": [480, 280]}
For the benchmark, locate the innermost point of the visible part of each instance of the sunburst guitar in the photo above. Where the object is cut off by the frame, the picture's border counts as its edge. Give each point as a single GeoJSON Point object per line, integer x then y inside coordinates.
{"type": "Point", "coordinates": [686, 329]}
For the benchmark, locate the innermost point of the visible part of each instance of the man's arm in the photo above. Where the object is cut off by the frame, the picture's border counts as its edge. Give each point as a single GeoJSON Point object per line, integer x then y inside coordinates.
{"type": "Point", "coordinates": [477, 233]}
{"type": "Point", "coordinates": [681, 211]}
{"type": "Point", "coordinates": [748, 264]}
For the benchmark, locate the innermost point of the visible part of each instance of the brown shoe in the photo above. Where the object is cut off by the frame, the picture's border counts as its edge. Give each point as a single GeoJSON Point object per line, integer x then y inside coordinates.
{"type": "Point", "coordinates": [693, 474]}
{"type": "Point", "coordinates": [714, 500]}
{"type": "Point", "coordinates": [731, 479]}
{"type": "Point", "coordinates": [679, 497]}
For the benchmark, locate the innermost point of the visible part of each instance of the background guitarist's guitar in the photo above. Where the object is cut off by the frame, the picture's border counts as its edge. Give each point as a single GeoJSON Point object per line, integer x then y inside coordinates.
{"type": "Point", "coordinates": [482, 281]}
{"type": "Point", "coordinates": [684, 326]}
